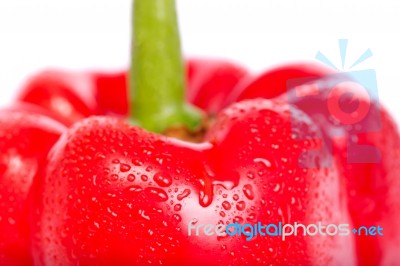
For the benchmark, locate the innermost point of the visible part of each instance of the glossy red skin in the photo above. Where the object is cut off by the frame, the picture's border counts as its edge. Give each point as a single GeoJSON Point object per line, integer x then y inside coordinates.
{"type": "Point", "coordinates": [72, 96]}
{"type": "Point", "coordinates": [25, 139]}
{"type": "Point", "coordinates": [273, 82]}
{"type": "Point", "coordinates": [69, 96]}
{"type": "Point", "coordinates": [112, 192]}
{"type": "Point", "coordinates": [211, 81]}
{"type": "Point", "coordinates": [373, 188]}
{"type": "Point", "coordinates": [111, 92]}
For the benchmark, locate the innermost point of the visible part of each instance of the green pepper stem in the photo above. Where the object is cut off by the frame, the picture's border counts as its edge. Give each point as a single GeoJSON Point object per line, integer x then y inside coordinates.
{"type": "Point", "coordinates": [157, 74]}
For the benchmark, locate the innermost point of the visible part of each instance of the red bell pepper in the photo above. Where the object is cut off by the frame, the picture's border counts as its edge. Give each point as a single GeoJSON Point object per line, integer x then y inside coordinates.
{"type": "Point", "coordinates": [112, 192]}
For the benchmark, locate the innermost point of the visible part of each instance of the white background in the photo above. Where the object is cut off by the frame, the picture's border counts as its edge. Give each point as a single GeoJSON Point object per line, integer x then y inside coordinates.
{"type": "Point", "coordinates": [87, 34]}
